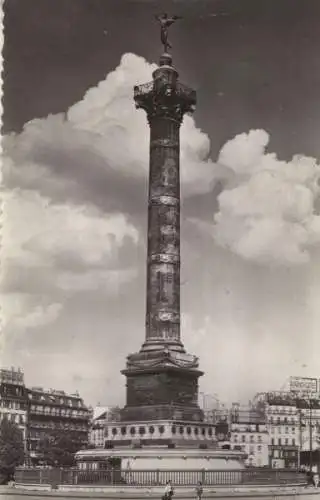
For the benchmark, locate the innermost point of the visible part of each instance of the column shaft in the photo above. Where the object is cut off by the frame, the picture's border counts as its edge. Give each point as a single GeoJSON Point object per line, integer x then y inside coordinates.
{"type": "Point", "coordinates": [163, 264]}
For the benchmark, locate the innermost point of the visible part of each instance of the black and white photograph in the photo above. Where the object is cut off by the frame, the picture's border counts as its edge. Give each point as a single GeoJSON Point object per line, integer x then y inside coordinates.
{"type": "Point", "coordinates": [160, 249]}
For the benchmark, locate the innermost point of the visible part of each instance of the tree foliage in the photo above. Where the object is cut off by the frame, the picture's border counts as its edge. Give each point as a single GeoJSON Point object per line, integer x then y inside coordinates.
{"type": "Point", "coordinates": [11, 449]}
{"type": "Point", "coordinates": [59, 447]}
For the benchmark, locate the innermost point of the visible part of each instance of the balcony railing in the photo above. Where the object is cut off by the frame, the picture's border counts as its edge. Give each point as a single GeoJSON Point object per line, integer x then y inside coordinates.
{"type": "Point", "coordinates": [59, 415]}
{"type": "Point", "coordinates": [141, 478]}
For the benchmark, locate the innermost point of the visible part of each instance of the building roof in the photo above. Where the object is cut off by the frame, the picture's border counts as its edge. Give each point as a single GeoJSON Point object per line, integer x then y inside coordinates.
{"type": "Point", "coordinates": [100, 412]}
{"type": "Point", "coordinates": [11, 376]}
{"type": "Point", "coordinates": [55, 398]}
{"type": "Point", "coordinates": [289, 399]}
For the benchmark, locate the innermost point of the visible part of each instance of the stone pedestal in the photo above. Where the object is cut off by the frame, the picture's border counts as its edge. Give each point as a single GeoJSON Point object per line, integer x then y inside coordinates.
{"type": "Point", "coordinates": [166, 464]}
{"type": "Point", "coordinates": [162, 384]}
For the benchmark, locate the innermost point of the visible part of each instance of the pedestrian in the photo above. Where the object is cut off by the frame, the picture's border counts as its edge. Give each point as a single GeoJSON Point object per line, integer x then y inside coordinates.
{"type": "Point", "coordinates": [168, 491]}
{"type": "Point", "coordinates": [199, 490]}
{"type": "Point", "coordinates": [316, 479]}
{"type": "Point", "coordinates": [310, 477]}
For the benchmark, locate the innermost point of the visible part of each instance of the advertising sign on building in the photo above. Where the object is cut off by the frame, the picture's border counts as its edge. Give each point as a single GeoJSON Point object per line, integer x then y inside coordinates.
{"type": "Point", "coordinates": [303, 384]}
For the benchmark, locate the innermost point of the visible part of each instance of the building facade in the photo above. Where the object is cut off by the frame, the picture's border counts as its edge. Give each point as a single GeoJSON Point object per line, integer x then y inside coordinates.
{"type": "Point", "coordinates": [293, 421]}
{"type": "Point", "coordinates": [98, 425]}
{"type": "Point", "coordinates": [13, 399]}
{"type": "Point", "coordinates": [253, 440]}
{"type": "Point", "coordinates": [309, 423]}
{"type": "Point", "coordinates": [283, 422]}
{"type": "Point", "coordinates": [51, 410]}
{"type": "Point", "coordinates": [249, 433]}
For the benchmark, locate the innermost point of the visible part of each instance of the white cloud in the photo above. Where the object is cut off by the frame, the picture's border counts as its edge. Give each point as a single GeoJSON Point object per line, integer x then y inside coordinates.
{"type": "Point", "coordinates": [36, 230]}
{"type": "Point", "coordinates": [101, 136]}
{"type": "Point", "coordinates": [63, 248]}
{"type": "Point", "coordinates": [109, 280]}
{"type": "Point", "coordinates": [37, 317]}
{"type": "Point", "coordinates": [268, 214]}
{"type": "Point", "coordinates": [22, 311]}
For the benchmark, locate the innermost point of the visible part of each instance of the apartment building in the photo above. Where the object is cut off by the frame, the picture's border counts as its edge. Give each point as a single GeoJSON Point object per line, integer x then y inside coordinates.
{"type": "Point", "coordinates": [13, 398]}
{"type": "Point", "coordinates": [249, 433]}
{"type": "Point", "coordinates": [50, 410]}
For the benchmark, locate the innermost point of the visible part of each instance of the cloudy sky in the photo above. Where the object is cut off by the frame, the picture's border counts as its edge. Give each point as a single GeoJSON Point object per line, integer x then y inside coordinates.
{"type": "Point", "coordinates": [75, 187]}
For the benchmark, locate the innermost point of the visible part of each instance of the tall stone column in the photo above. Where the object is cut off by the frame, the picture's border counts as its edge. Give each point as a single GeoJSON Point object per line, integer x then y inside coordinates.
{"type": "Point", "coordinates": [162, 379]}
{"type": "Point", "coordinates": [165, 101]}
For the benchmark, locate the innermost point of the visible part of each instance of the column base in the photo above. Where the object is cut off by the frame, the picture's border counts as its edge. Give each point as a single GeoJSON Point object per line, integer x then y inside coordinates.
{"type": "Point", "coordinates": [162, 384]}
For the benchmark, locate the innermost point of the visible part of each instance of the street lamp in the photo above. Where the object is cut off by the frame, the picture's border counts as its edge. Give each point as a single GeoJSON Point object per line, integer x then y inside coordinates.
{"type": "Point", "coordinates": [310, 434]}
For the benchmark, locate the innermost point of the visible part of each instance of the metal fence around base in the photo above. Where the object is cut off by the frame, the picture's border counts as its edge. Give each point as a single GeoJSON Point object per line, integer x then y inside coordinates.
{"type": "Point", "coordinates": [159, 477]}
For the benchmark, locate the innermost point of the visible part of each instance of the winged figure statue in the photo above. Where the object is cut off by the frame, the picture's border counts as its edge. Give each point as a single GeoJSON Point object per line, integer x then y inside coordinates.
{"type": "Point", "coordinates": [166, 21]}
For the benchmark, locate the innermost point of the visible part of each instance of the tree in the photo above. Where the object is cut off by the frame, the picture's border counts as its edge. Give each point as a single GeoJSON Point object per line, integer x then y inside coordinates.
{"type": "Point", "coordinates": [11, 449]}
{"type": "Point", "coordinates": [59, 447]}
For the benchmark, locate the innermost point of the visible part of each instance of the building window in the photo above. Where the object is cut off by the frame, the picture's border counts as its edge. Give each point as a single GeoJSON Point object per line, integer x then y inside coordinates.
{"type": "Point", "coordinates": [151, 429]}
{"type": "Point", "coordinates": [259, 439]}
{"type": "Point", "coordinates": [293, 430]}
{"type": "Point", "coordinates": [161, 429]}
{"type": "Point", "coordinates": [132, 431]}
{"type": "Point", "coordinates": [203, 431]}
{"type": "Point", "coordinates": [142, 431]}
{"type": "Point", "coordinates": [181, 429]}
{"type": "Point", "coordinates": [293, 442]}
{"type": "Point", "coordinates": [287, 430]}
{"type": "Point", "coordinates": [251, 439]}
{"type": "Point", "coordinates": [279, 441]}
{"type": "Point", "coordinates": [235, 438]}
{"type": "Point", "coordinates": [286, 441]}
{"type": "Point", "coordinates": [259, 447]}
{"type": "Point", "coordinates": [272, 441]}
{"type": "Point", "coordinates": [196, 431]}
{"type": "Point", "coordinates": [243, 439]}
{"type": "Point", "coordinates": [188, 430]}
{"type": "Point", "coordinates": [114, 431]}
{"type": "Point", "coordinates": [210, 432]}
{"type": "Point", "coordinates": [173, 429]}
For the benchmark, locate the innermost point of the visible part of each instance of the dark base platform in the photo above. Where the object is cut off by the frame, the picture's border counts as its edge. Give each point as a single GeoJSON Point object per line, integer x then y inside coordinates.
{"type": "Point", "coordinates": [162, 385]}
